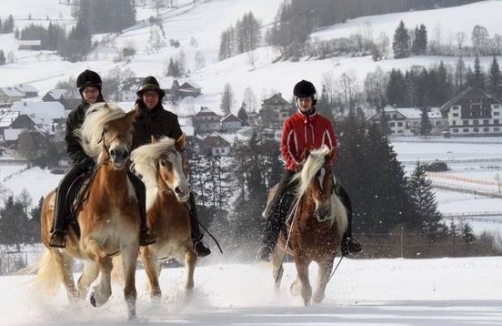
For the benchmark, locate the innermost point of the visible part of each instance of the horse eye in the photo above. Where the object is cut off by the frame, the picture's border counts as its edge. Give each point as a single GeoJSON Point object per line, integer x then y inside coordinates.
{"type": "Point", "coordinates": [105, 130]}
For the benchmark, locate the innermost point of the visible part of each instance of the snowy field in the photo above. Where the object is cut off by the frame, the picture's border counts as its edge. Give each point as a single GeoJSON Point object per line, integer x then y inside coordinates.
{"type": "Point", "coordinates": [456, 292]}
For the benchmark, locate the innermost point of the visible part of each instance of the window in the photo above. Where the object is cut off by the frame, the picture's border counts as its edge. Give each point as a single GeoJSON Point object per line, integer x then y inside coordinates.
{"type": "Point", "coordinates": [486, 129]}
{"type": "Point", "coordinates": [475, 129]}
{"type": "Point", "coordinates": [465, 130]}
{"type": "Point", "coordinates": [455, 114]}
{"type": "Point", "coordinates": [486, 122]}
{"type": "Point", "coordinates": [496, 113]}
{"type": "Point", "coordinates": [465, 122]}
{"type": "Point", "coordinates": [496, 129]}
{"type": "Point", "coordinates": [455, 130]}
{"type": "Point", "coordinates": [392, 124]}
{"type": "Point", "coordinates": [454, 123]}
{"type": "Point", "coordinates": [475, 122]}
{"type": "Point", "coordinates": [399, 124]}
{"type": "Point", "coordinates": [496, 121]}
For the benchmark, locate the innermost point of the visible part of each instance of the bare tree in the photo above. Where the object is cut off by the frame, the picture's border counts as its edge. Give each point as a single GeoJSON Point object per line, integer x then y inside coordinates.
{"type": "Point", "coordinates": [480, 39]}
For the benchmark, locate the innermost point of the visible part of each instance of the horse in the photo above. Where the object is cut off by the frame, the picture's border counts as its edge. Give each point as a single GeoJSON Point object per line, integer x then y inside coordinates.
{"type": "Point", "coordinates": [163, 170]}
{"type": "Point", "coordinates": [108, 218]}
{"type": "Point", "coordinates": [315, 226]}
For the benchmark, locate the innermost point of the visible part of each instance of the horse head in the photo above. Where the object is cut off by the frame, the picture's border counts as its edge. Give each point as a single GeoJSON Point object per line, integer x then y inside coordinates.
{"type": "Point", "coordinates": [106, 133]}
{"type": "Point", "coordinates": [317, 182]}
{"type": "Point", "coordinates": [162, 165]}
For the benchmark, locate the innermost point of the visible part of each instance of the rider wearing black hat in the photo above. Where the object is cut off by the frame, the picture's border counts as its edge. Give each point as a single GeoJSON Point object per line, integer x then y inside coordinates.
{"type": "Point", "coordinates": [152, 120]}
{"type": "Point", "coordinates": [89, 85]}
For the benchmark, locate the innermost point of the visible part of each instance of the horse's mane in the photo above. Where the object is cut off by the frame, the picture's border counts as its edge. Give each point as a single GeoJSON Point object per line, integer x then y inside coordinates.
{"type": "Point", "coordinates": [145, 159]}
{"type": "Point", "coordinates": [91, 131]}
{"type": "Point", "coordinates": [315, 161]}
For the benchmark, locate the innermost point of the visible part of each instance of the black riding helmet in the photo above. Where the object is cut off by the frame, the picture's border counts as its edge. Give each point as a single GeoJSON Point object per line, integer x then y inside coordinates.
{"type": "Point", "coordinates": [303, 89]}
{"type": "Point", "coordinates": [88, 78]}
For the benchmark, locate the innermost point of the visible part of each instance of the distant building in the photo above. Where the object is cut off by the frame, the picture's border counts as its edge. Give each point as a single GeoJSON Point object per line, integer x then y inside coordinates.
{"type": "Point", "coordinates": [129, 88]}
{"type": "Point", "coordinates": [407, 121]}
{"type": "Point", "coordinates": [29, 45]}
{"type": "Point", "coordinates": [27, 90]}
{"type": "Point", "coordinates": [215, 145]}
{"type": "Point", "coordinates": [43, 114]}
{"type": "Point", "coordinates": [472, 112]}
{"type": "Point", "coordinates": [11, 94]}
{"type": "Point", "coordinates": [206, 121]}
{"type": "Point", "coordinates": [230, 123]}
{"type": "Point", "coordinates": [274, 111]}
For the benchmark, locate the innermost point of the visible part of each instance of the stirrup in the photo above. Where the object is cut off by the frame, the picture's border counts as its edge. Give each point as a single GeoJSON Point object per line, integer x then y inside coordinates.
{"type": "Point", "coordinates": [265, 253]}
{"type": "Point", "coordinates": [200, 249]}
{"type": "Point", "coordinates": [57, 240]}
{"type": "Point", "coordinates": [146, 238]}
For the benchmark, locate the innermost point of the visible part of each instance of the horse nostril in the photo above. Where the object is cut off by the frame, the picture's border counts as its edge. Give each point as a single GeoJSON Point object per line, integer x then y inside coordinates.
{"type": "Point", "coordinates": [178, 190]}
{"type": "Point", "coordinates": [112, 152]}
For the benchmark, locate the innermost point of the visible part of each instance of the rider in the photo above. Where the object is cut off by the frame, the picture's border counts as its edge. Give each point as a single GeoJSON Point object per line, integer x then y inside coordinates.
{"type": "Point", "coordinates": [306, 129]}
{"type": "Point", "coordinates": [89, 85]}
{"type": "Point", "coordinates": [152, 120]}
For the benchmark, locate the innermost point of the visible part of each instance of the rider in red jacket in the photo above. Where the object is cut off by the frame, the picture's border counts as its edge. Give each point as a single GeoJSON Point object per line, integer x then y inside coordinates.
{"type": "Point", "coordinates": [306, 129]}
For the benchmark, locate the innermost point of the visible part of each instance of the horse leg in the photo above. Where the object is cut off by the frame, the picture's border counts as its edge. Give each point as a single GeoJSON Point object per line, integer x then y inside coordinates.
{"type": "Point", "coordinates": [190, 262]}
{"type": "Point", "coordinates": [129, 255]}
{"type": "Point", "coordinates": [64, 263]}
{"type": "Point", "coordinates": [277, 268]}
{"type": "Point", "coordinates": [89, 275]}
{"type": "Point", "coordinates": [302, 269]}
{"type": "Point", "coordinates": [103, 290]}
{"type": "Point", "coordinates": [325, 268]}
{"type": "Point", "coordinates": [152, 268]}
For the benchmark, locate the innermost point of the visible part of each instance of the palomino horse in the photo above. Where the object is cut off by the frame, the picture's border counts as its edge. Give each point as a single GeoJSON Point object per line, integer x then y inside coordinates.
{"type": "Point", "coordinates": [108, 217]}
{"type": "Point", "coordinates": [161, 165]}
{"type": "Point", "coordinates": [316, 226]}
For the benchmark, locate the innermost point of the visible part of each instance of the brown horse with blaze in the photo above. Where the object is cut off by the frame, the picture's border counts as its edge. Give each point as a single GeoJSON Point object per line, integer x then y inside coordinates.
{"type": "Point", "coordinates": [108, 217]}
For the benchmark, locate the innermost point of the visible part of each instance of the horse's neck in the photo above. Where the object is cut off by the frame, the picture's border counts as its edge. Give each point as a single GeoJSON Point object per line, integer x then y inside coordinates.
{"type": "Point", "coordinates": [112, 179]}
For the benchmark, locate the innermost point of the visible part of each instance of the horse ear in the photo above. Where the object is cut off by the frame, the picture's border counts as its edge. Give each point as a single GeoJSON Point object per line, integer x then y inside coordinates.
{"type": "Point", "coordinates": [131, 115]}
{"type": "Point", "coordinates": [153, 139]}
{"type": "Point", "coordinates": [180, 143]}
{"type": "Point", "coordinates": [331, 155]}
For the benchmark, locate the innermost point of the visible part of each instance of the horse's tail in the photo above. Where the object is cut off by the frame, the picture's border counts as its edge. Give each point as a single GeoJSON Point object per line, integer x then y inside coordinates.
{"type": "Point", "coordinates": [340, 215]}
{"type": "Point", "coordinates": [47, 279]}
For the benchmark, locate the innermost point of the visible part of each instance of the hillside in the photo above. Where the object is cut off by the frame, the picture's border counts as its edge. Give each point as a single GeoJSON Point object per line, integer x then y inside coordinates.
{"type": "Point", "coordinates": [198, 27]}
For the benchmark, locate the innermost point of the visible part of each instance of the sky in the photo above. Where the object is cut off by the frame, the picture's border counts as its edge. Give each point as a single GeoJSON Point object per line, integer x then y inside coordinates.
{"type": "Point", "coordinates": [448, 291]}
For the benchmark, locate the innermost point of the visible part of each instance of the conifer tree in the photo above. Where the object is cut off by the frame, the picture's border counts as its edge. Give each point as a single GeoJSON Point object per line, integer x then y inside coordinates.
{"type": "Point", "coordinates": [227, 100]}
{"type": "Point", "coordinates": [419, 45]}
{"type": "Point", "coordinates": [495, 80]}
{"type": "Point", "coordinates": [13, 224]}
{"type": "Point", "coordinates": [401, 42]}
{"type": "Point", "coordinates": [425, 123]}
{"type": "Point", "coordinates": [242, 114]}
{"type": "Point", "coordinates": [427, 218]}
{"type": "Point", "coordinates": [479, 76]}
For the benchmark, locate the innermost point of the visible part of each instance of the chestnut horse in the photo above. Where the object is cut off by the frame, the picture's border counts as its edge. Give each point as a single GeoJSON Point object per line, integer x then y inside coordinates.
{"type": "Point", "coordinates": [315, 227]}
{"type": "Point", "coordinates": [108, 217]}
{"type": "Point", "coordinates": [163, 170]}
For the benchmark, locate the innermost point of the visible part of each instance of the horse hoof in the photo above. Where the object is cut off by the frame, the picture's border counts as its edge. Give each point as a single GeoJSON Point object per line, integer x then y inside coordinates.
{"type": "Point", "coordinates": [294, 289]}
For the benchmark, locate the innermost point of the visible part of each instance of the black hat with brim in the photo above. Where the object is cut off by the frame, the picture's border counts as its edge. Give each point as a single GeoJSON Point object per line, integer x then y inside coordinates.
{"type": "Point", "coordinates": [150, 84]}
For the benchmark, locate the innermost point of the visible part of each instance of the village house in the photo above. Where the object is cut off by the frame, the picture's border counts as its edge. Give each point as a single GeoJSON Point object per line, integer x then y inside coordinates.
{"type": "Point", "coordinates": [43, 114]}
{"type": "Point", "coordinates": [407, 121]}
{"type": "Point", "coordinates": [472, 112]}
{"type": "Point", "coordinates": [27, 90]}
{"type": "Point", "coordinates": [129, 88]}
{"type": "Point", "coordinates": [206, 121]}
{"type": "Point", "coordinates": [184, 90]}
{"type": "Point", "coordinates": [230, 123]}
{"type": "Point", "coordinates": [11, 94]}
{"type": "Point", "coordinates": [69, 98]}
{"type": "Point", "coordinates": [215, 145]}
{"type": "Point", "coordinates": [274, 111]}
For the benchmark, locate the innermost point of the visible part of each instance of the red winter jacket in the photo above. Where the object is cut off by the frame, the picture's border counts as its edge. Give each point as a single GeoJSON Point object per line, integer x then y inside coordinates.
{"type": "Point", "coordinates": [300, 132]}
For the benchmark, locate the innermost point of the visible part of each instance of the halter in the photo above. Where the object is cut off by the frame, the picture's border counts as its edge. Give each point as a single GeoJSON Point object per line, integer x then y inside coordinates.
{"type": "Point", "coordinates": [107, 148]}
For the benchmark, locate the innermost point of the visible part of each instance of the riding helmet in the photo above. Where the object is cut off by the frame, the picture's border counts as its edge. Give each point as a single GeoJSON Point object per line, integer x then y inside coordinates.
{"type": "Point", "coordinates": [88, 78]}
{"type": "Point", "coordinates": [303, 89]}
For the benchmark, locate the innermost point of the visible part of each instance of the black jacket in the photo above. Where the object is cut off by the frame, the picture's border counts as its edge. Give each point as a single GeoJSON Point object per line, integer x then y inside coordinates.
{"type": "Point", "coordinates": [156, 122]}
{"type": "Point", "coordinates": [75, 151]}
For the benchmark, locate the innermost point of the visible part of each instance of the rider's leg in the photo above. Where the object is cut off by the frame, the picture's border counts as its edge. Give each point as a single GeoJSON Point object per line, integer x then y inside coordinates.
{"type": "Point", "coordinates": [349, 245]}
{"type": "Point", "coordinates": [145, 236]}
{"type": "Point", "coordinates": [274, 218]}
{"type": "Point", "coordinates": [59, 223]}
{"type": "Point", "coordinates": [199, 247]}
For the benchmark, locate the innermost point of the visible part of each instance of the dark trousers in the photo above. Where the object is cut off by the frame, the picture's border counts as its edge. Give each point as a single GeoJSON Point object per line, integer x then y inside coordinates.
{"type": "Point", "coordinates": [345, 198]}
{"type": "Point", "coordinates": [194, 221]}
{"type": "Point", "coordinates": [61, 212]}
{"type": "Point", "coordinates": [140, 189]}
{"type": "Point", "coordinates": [275, 217]}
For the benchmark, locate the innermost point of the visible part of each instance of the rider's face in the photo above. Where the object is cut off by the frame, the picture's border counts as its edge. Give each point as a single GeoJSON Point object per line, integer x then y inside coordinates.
{"type": "Point", "coordinates": [90, 94]}
{"type": "Point", "coordinates": [150, 98]}
{"type": "Point", "coordinates": [304, 103]}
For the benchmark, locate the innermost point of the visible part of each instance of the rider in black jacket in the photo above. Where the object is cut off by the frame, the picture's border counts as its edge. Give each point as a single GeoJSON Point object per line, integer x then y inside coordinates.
{"type": "Point", "coordinates": [152, 120]}
{"type": "Point", "coordinates": [89, 85]}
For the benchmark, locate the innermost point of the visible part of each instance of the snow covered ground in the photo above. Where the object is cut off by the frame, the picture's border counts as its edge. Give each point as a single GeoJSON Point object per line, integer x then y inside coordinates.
{"type": "Point", "coordinates": [461, 291]}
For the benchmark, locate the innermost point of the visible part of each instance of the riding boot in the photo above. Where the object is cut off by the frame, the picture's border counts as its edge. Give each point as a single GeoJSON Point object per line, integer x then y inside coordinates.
{"type": "Point", "coordinates": [58, 230]}
{"type": "Point", "coordinates": [59, 223]}
{"type": "Point", "coordinates": [198, 246]}
{"type": "Point", "coordinates": [275, 218]}
{"type": "Point", "coordinates": [349, 245]}
{"type": "Point", "coordinates": [145, 236]}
